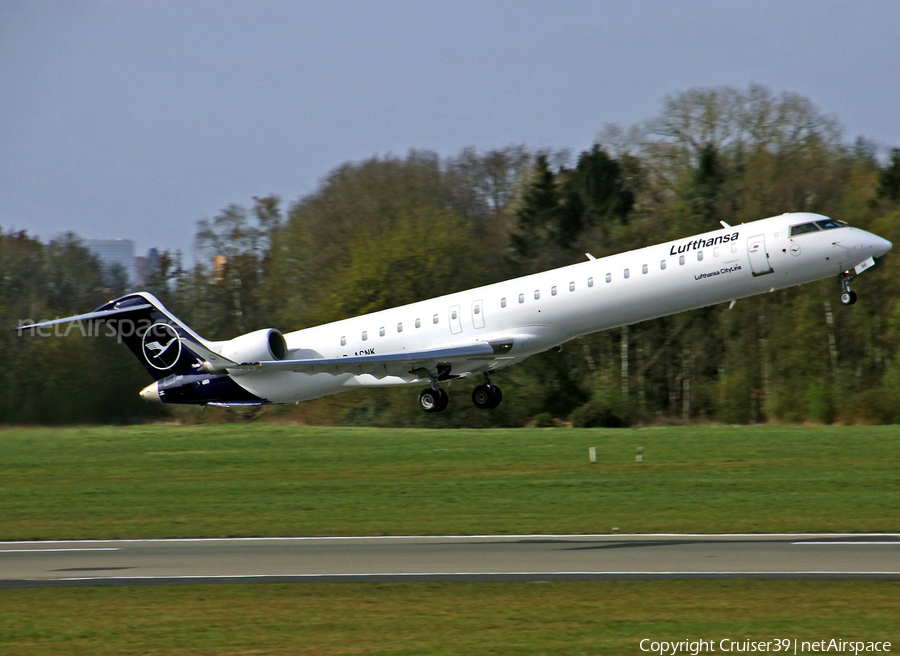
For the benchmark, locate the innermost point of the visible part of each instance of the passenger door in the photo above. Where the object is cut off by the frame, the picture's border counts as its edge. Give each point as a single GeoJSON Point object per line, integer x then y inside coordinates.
{"type": "Point", "coordinates": [759, 257]}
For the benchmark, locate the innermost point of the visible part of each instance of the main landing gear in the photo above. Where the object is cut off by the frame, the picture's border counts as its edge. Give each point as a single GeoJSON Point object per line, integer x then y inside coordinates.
{"type": "Point", "coordinates": [485, 397]}
{"type": "Point", "coordinates": [433, 399]}
{"type": "Point", "coordinates": [847, 297]}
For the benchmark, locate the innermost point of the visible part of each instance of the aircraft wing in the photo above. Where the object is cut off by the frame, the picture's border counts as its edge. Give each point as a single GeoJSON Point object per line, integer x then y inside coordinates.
{"type": "Point", "coordinates": [391, 364]}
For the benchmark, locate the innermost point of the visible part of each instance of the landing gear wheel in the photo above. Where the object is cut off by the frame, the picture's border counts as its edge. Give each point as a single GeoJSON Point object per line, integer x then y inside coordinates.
{"type": "Point", "coordinates": [486, 397]}
{"type": "Point", "coordinates": [431, 400]}
{"type": "Point", "coordinates": [498, 396]}
{"type": "Point", "coordinates": [848, 298]}
{"type": "Point", "coordinates": [482, 397]}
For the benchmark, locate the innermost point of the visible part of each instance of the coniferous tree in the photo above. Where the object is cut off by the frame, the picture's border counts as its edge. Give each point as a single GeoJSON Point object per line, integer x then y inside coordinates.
{"type": "Point", "coordinates": [539, 216]}
{"type": "Point", "coordinates": [889, 178]}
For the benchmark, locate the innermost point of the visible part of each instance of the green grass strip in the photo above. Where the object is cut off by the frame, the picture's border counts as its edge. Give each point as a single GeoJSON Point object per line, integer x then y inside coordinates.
{"type": "Point", "coordinates": [439, 618]}
{"type": "Point", "coordinates": [261, 480]}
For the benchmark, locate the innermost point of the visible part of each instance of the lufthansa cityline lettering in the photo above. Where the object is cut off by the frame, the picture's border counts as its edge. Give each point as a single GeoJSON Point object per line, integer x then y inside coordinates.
{"type": "Point", "coordinates": [720, 272]}
{"type": "Point", "coordinates": [702, 243]}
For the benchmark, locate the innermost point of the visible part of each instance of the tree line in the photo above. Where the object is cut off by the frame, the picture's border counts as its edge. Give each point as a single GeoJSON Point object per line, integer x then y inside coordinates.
{"type": "Point", "coordinates": [392, 230]}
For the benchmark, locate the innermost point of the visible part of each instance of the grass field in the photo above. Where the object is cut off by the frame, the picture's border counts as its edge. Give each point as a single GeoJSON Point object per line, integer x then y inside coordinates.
{"type": "Point", "coordinates": [249, 480]}
{"type": "Point", "coordinates": [440, 618]}
{"type": "Point", "coordinates": [260, 480]}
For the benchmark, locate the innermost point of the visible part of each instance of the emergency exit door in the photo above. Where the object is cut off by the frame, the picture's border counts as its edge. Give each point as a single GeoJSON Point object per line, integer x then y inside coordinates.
{"type": "Point", "coordinates": [478, 314]}
{"type": "Point", "coordinates": [455, 320]}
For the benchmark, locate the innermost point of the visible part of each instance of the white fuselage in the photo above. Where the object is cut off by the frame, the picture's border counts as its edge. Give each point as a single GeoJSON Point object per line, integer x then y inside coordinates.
{"type": "Point", "coordinates": [544, 310]}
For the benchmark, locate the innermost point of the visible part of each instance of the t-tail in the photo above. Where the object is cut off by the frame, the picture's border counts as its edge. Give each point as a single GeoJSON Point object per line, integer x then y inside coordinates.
{"type": "Point", "coordinates": [182, 363]}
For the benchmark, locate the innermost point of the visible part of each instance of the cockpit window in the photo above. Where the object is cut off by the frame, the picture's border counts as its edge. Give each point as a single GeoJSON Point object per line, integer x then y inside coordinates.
{"type": "Point", "coordinates": [828, 224]}
{"type": "Point", "coordinates": [803, 228]}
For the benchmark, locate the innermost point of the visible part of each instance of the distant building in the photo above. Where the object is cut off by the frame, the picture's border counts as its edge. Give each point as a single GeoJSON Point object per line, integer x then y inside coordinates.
{"type": "Point", "coordinates": [145, 266]}
{"type": "Point", "coordinates": [115, 251]}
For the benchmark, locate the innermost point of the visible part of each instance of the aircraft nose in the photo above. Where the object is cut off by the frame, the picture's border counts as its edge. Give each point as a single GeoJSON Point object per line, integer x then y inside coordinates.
{"type": "Point", "coordinates": [870, 244]}
{"type": "Point", "coordinates": [881, 246]}
{"type": "Point", "coordinates": [151, 393]}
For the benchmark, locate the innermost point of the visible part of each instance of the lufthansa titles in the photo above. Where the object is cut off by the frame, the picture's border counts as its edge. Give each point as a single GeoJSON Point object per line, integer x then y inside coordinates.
{"type": "Point", "coordinates": [694, 244]}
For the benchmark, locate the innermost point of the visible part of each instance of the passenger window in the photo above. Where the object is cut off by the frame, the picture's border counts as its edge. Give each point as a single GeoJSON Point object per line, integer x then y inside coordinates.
{"type": "Point", "coordinates": [418, 323]}
{"type": "Point", "coordinates": [521, 298]}
{"type": "Point", "coordinates": [503, 302]}
{"type": "Point", "coordinates": [381, 332]}
{"type": "Point", "coordinates": [662, 265]}
{"type": "Point", "coordinates": [553, 291]}
{"type": "Point", "coordinates": [608, 277]}
{"type": "Point", "coordinates": [343, 341]}
{"type": "Point", "coordinates": [699, 256]}
{"type": "Point", "coordinates": [400, 327]}
{"type": "Point", "coordinates": [644, 269]}
{"type": "Point", "coordinates": [477, 309]}
{"type": "Point", "coordinates": [365, 335]}
{"type": "Point", "coordinates": [734, 248]}
{"type": "Point", "coordinates": [571, 286]}
{"type": "Point", "coordinates": [434, 319]}
{"type": "Point", "coordinates": [716, 252]}
{"type": "Point", "coordinates": [537, 294]}
{"type": "Point", "coordinates": [803, 228]}
{"type": "Point", "coordinates": [627, 273]}
{"type": "Point", "coordinates": [453, 315]}
{"type": "Point", "coordinates": [590, 282]}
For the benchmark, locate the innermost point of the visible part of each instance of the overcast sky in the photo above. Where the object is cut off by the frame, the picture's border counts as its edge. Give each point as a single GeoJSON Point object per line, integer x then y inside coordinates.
{"type": "Point", "coordinates": [131, 118]}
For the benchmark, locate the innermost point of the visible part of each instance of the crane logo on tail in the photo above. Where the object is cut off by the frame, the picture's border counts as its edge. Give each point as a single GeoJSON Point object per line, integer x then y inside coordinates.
{"type": "Point", "coordinates": [160, 346]}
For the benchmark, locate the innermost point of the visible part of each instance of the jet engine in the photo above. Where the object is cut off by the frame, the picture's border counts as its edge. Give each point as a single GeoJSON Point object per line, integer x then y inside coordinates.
{"type": "Point", "coordinates": [260, 345]}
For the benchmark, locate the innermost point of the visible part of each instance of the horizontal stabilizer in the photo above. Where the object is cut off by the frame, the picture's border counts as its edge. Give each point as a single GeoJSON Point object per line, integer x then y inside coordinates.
{"type": "Point", "coordinates": [213, 361]}
{"type": "Point", "coordinates": [90, 316]}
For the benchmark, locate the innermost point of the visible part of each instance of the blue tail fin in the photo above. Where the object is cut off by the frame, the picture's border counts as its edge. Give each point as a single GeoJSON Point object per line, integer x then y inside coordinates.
{"type": "Point", "coordinates": [155, 336]}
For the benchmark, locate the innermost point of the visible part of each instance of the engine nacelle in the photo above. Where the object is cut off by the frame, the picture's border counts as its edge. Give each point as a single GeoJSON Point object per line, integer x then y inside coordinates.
{"type": "Point", "coordinates": [260, 345]}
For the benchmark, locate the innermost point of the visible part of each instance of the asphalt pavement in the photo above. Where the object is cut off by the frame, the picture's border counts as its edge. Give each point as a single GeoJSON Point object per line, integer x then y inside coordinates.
{"type": "Point", "coordinates": [479, 558]}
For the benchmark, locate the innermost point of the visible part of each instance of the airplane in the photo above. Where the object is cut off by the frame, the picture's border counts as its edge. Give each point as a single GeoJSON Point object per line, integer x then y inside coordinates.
{"type": "Point", "coordinates": [480, 331]}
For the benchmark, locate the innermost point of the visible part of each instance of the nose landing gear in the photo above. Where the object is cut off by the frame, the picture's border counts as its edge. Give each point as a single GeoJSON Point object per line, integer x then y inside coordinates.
{"type": "Point", "coordinates": [848, 297]}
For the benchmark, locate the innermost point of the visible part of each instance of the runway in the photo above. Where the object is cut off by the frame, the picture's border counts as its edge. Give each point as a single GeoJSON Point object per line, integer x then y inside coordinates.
{"type": "Point", "coordinates": [441, 558]}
